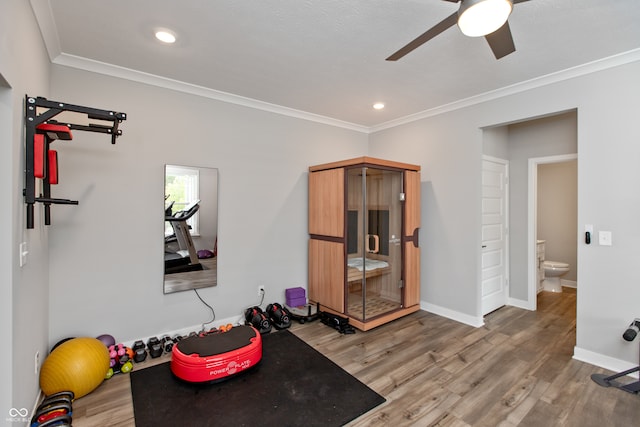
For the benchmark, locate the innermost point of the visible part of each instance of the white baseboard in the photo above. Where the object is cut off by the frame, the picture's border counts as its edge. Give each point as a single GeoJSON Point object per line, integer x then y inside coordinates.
{"type": "Point", "coordinates": [476, 322]}
{"type": "Point", "coordinates": [235, 320]}
{"type": "Point", "coordinates": [606, 362]}
{"type": "Point", "coordinates": [569, 283]}
{"type": "Point", "coordinates": [520, 303]}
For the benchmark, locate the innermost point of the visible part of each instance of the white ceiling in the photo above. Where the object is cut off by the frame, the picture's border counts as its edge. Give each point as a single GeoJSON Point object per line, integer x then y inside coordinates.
{"type": "Point", "coordinates": [327, 57]}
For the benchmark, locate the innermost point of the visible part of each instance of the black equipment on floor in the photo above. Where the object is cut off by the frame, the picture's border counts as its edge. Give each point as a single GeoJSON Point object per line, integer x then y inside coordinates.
{"type": "Point", "coordinates": [304, 313]}
{"type": "Point", "coordinates": [611, 380]}
{"type": "Point", "coordinates": [339, 323]}
{"type": "Point", "coordinates": [279, 316]}
{"type": "Point", "coordinates": [185, 258]}
{"type": "Point", "coordinates": [55, 410]}
{"type": "Point", "coordinates": [255, 317]}
{"type": "Point", "coordinates": [293, 385]}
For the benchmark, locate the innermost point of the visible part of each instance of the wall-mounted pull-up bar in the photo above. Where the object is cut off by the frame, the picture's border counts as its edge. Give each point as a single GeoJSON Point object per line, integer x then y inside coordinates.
{"type": "Point", "coordinates": [41, 131]}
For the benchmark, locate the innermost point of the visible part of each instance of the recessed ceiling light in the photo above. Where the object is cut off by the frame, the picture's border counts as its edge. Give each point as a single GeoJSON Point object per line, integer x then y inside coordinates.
{"type": "Point", "coordinates": [166, 36]}
{"type": "Point", "coordinates": [378, 106]}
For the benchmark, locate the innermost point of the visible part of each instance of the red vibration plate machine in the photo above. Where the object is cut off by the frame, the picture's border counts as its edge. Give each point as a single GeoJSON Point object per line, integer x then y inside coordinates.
{"type": "Point", "coordinates": [216, 356]}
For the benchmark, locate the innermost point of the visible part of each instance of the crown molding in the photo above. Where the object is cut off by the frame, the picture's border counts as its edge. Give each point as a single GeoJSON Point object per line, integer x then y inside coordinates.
{"type": "Point", "coordinates": [154, 80]}
{"type": "Point", "coordinates": [164, 82]}
{"type": "Point", "coordinates": [559, 76]}
{"type": "Point", "coordinates": [48, 29]}
{"type": "Point", "coordinates": [44, 17]}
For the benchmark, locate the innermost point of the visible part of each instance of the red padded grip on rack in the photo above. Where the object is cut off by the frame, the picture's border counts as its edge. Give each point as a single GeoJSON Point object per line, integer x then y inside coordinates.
{"type": "Point", "coordinates": [55, 131]}
{"type": "Point", "coordinates": [38, 156]}
{"type": "Point", "coordinates": [53, 167]}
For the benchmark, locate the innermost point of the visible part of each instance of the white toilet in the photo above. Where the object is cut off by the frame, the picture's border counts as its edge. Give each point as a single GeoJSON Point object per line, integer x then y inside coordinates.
{"type": "Point", "coordinates": [552, 272]}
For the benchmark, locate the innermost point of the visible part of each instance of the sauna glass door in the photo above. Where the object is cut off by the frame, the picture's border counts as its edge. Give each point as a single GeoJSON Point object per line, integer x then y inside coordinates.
{"type": "Point", "coordinates": [374, 250]}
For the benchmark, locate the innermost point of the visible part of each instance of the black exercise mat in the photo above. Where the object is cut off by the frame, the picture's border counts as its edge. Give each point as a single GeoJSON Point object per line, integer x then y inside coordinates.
{"type": "Point", "coordinates": [293, 385]}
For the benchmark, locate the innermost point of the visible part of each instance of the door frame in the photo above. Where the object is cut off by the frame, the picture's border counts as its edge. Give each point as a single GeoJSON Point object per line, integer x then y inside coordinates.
{"type": "Point", "coordinates": [532, 222]}
{"type": "Point", "coordinates": [507, 248]}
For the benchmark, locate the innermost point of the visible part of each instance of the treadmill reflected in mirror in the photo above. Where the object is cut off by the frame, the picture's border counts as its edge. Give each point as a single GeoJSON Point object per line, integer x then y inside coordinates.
{"type": "Point", "coordinates": [180, 253]}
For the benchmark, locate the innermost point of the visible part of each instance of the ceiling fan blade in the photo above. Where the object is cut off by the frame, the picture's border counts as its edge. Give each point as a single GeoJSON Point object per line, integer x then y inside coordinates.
{"type": "Point", "coordinates": [501, 41]}
{"type": "Point", "coordinates": [426, 36]}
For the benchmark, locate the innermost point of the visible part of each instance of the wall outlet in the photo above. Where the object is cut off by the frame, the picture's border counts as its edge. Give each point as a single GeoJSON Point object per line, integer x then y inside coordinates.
{"type": "Point", "coordinates": [260, 290]}
{"type": "Point", "coordinates": [37, 362]}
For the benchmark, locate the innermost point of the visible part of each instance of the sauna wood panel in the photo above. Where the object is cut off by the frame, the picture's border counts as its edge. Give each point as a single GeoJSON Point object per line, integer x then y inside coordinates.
{"type": "Point", "coordinates": [326, 273]}
{"type": "Point", "coordinates": [326, 203]}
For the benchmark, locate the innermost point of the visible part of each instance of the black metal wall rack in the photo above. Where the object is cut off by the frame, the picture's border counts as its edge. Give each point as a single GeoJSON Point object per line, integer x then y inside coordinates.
{"type": "Point", "coordinates": [40, 161]}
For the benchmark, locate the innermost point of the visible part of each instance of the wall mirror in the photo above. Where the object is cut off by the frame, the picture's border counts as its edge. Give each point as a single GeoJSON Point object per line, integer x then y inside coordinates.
{"type": "Point", "coordinates": [190, 228]}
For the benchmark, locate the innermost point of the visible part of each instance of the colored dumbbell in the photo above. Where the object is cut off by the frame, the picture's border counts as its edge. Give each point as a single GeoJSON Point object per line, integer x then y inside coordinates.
{"type": "Point", "coordinates": [126, 367]}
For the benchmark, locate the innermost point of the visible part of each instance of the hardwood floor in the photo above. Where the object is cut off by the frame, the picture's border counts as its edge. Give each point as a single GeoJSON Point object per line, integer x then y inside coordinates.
{"type": "Point", "coordinates": [517, 370]}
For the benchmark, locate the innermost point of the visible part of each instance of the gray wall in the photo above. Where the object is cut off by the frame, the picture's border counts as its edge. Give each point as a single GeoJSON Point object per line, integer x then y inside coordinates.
{"type": "Point", "coordinates": [449, 148]}
{"type": "Point", "coordinates": [101, 256]}
{"type": "Point", "coordinates": [24, 291]}
{"type": "Point", "coordinates": [558, 213]}
{"type": "Point", "coordinates": [77, 275]}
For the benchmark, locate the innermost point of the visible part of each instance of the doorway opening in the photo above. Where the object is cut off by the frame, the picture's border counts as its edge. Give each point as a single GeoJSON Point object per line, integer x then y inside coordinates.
{"type": "Point", "coordinates": [541, 140]}
{"type": "Point", "coordinates": [564, 241]}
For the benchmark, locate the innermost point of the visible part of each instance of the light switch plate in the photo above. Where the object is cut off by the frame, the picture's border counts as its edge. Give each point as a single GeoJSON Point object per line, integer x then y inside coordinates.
{"type": "Point", "coordinates": [23, 252]}
{"type": "Point", "coordinates": [604, 238]}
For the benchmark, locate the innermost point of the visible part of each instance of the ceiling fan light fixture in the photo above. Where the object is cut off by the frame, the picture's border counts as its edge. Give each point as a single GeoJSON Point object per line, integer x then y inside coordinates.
{"type": "Point", "coordinates": [478, 18]}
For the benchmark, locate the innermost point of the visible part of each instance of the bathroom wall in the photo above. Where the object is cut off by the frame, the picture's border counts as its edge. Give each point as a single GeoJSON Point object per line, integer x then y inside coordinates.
{"type": "Point", "coordinates": [548, 136]}
{"type": "Point", "coordinates": [558, 213]}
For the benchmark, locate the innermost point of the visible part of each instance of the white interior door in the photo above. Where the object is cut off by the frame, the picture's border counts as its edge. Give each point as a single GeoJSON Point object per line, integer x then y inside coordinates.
{"type": "Point", "coordinates": [495, 219]}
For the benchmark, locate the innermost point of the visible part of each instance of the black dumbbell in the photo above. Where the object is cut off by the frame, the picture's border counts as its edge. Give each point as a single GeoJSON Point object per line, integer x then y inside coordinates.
{"type": "Point", "coordinates": [167, 343]}
{"type": "Point", "coordinates": [137, 345]}
{"type": "Point", "coordinates": [155, 347]}
{"type": "Point", "coordinates": [152, 341]}
{"type": "Point", "coordinates": [155, 350]}
{"type": "Point", "coordinates": [139, 355]}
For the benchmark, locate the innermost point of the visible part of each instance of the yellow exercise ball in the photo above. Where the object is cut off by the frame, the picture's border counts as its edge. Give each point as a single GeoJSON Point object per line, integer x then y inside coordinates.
{"type": "Point", "coordinates": [78, 365]}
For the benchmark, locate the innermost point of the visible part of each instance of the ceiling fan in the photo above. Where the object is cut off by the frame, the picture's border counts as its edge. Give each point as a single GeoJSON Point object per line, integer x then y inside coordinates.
{"type": "Point", "coordinates": [475, 18]}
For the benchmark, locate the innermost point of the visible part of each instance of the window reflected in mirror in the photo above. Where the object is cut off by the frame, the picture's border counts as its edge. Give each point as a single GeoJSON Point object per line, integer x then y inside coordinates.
{"type": "Point", "coordinates": [190, 227]}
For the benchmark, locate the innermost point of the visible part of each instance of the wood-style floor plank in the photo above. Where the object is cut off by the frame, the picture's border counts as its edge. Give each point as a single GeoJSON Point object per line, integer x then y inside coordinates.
{"type": "Point", "coordinates": [516, 370]}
